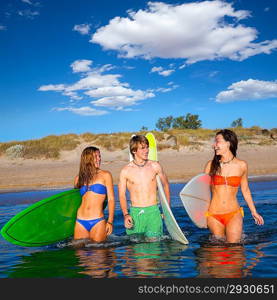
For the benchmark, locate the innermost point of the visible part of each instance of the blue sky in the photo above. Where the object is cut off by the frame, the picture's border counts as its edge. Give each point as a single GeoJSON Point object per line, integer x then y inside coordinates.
{"type": "Point", "coordinates": [111, 66]}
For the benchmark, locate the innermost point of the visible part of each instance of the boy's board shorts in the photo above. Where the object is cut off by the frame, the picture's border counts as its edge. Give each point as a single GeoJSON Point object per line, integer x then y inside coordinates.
{"type": "Point", "coordinates": [147, 221]}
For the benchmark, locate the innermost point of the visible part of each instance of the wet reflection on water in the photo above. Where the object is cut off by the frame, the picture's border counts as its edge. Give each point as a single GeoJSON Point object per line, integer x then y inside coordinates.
{"type": "Point", "coordinates": [156, 259]}
{"type": "Point", "coordinates": [97, 263]}
{"type": "Point", "coordinates": [61, 263]}
{"type": "Point", "coordinates": [221, 261]}
{"type": "Point", "coordinates": [226, 261]}
{"type": "Point", "coordinates": [135, 260]}
{"type": "Point", "coordinates": [141, 260]}
{"type": "Point", "coordinates": [152, 259]}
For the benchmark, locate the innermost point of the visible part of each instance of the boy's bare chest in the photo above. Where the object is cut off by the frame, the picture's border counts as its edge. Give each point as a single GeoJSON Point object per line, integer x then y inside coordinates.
{"type": "Point", "coordinates": [139, 175]}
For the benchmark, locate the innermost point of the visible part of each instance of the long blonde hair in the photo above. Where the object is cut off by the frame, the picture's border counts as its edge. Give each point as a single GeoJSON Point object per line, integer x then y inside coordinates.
{"type": "Point", "coordinates": [87, 168]}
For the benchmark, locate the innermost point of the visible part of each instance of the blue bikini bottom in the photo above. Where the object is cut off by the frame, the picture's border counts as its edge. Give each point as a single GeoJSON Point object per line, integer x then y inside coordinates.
{"type": "Point", "coordinates": [89, 224]}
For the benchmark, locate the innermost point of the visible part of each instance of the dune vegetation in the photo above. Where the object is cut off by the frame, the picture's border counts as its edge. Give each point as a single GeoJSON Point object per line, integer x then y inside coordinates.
{"type": "Point", "coordinates": [50, 147]}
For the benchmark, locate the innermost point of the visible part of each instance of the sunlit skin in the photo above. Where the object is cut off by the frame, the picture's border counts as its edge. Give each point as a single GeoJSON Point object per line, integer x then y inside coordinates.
{"type": "Point", "coordinates": [224, 197]}
{"type": "Point", "coordinates": [92, 206]}
{"type": "Point", "coordinates": [97, 159]}
{"type": "Point", "coordinates": [141, 183]}
{"type": "Point", "coordinates": [141, 155]}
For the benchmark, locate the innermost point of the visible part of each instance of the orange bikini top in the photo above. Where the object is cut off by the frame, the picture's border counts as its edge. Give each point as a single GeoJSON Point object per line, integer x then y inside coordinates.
{"type": "Point", "coordinates": [227, 180]}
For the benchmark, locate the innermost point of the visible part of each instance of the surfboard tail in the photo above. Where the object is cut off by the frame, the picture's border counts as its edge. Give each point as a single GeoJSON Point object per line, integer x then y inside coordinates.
{"type": "Point", "coordinates": [195, 197]}
{"type": "Point", "coordinates": [171, 224]}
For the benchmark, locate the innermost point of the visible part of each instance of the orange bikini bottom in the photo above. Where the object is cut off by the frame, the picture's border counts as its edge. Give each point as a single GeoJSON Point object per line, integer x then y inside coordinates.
{"type": "Point", "coordinates": [225, 218]}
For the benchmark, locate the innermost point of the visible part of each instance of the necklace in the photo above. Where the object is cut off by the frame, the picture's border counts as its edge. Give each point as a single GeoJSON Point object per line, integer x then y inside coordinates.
{"type": "Point", "coordinates": [227, 162]}
{"type": "Point", "coordinates": [141, 166]}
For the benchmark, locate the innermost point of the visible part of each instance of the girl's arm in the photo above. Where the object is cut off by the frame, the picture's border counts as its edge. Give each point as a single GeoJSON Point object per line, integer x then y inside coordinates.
{"type": "Point", "coordinates": [111, 202]}
{"type": "Point", "coordinates": [122, 186]}
{"type": "Point", "coordinates": [76, 181]}
{"type": "Point", "coordinates": [247, 195]}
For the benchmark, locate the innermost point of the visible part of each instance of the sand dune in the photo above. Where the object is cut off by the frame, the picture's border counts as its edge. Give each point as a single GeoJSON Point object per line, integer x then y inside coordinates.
{"type": "Point", "coordinates": [180, 166]}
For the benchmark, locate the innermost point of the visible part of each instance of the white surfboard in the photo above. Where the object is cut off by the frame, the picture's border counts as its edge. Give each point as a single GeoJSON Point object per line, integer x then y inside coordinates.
{"type": "Point", "coordinates": [196, 197]}
{"type": "Point", "coordinates": [171, 225]}
{"type": "Point", "coordinates": [130, 154]}
{"type": "Point", "coordinates": [170, 222]}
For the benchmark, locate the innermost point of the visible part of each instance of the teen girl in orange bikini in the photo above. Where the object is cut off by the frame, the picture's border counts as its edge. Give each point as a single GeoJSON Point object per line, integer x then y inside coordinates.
{"type": "Point", "coordinates": [228, 173]}
{"type": "Point", "coordinates": [95, 185]}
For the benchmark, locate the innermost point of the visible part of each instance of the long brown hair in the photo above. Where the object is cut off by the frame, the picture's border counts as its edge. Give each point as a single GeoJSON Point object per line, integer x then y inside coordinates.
{"type": "Point", "coordinates": [87, 168]}
{"type": "Point", "coordinates": [229, 136]}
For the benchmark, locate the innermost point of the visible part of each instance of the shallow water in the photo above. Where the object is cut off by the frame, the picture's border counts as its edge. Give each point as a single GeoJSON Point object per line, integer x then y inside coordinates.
{"type": "Point", "coordinates": [119, 257]}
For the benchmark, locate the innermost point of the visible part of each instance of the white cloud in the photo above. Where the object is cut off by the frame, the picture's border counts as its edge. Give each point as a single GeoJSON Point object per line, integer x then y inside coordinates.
{"type": "Point", "coordinates": [164, 90]}
{"type": "Point", "coordinates": [72, 95]}
{"type": "Point", "coordinates": [171, 87]}
{"type": "Point", "coordinates": [104, 68]}
{"type": "Point", "coordinates": [129, 67]}
{"type": "Point", "coordinates": [52, 87]}
{"type": "Point", "coordinates": [118, 97]}
{"type": "Point", "coordinates": [161, 71]}
{"type": "Point", "coordinates": [112, 91]}
{"type": "Point", "coordinates": [121, 101]}
{"type": "Point", "coordinates": [27, 1]}
{"type": "Point", "coordinates": [156, 69]}
{"type": "Point", "coordinates": [166, 72]}
{"type": "Point", "coordinates": [193, 31]}
{"type": "Point", "coordinates": [27, 13]}
{"type": "Point", "coordinates": [82, 28]}
{"type": "Point", "coordinates": [2, 27]}
{"type": "Point", "coordinates": [35, 4]}
{"type": "Point", "coordinates": [213, 73]}
{"type": "Point", "coordinates": [82, 65]}
{"type": "Point", "coordinates": [107, 89]}
{"type": "Point", "coordinates": [83, 111]}
{"type": "Point", "coordinates": [250, 89]}
{"type": "Point", "coordinates": [95, 80]}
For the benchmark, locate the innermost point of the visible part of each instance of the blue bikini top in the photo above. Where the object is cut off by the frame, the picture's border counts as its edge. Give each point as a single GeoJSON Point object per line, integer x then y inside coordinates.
{"type": "Point", "coordinates": [97, 188]}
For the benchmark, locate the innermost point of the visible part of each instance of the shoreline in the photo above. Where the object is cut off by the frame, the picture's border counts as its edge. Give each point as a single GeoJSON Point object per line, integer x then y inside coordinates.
{"type": "Point", "coordinates": [22, 189]}
{"type": "Point", "coordinates": [20, 175]}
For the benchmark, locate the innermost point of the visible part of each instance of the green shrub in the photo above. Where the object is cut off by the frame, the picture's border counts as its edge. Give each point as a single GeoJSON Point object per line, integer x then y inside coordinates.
{"type": "Point", "coordinates": [88, 137]}
{"type": "Point", "coordinates": [47, 147]}
{"type": "Point", "coordinates": [15, 151]}
{"type": "Point", "coordinates": [183, 140]}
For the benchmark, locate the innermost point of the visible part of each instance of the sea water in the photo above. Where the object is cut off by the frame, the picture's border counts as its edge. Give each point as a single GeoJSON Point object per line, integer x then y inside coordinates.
{"type": "Point", "coordinates": [119, 257]}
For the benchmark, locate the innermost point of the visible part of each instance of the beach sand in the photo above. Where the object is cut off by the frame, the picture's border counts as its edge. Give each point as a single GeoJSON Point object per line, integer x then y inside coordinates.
{"type": "Point", "coordinates": [180, 166]}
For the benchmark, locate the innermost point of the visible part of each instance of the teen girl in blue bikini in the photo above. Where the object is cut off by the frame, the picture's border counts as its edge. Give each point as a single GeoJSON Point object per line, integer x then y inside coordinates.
{"type": "Point", "coordinates": [95, 185]}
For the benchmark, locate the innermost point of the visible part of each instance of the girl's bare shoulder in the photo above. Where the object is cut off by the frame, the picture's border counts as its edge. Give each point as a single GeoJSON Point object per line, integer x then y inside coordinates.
{"type": "Point", "coordinates": [105, 173]}
{"type": "Point", "coordinates": [241, 162]}
{"type": "Point", "coordinates": [242, 165]}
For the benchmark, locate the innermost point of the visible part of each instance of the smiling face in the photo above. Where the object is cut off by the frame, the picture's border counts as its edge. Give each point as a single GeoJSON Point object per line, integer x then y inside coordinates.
{"type": "Point", "coordinates": [97, 159]}
{"type": "Point", "coordinates": [139, 146]}
{"type": "Point", "coordinates": [142, 151]}
{"type": "Point", "coordinates": [221, 146]}
{"type": "Point", "coordinates": [225, 148]}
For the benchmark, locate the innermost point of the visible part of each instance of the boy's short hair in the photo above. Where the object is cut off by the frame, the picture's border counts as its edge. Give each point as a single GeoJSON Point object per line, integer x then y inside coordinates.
{"type": "Point", "coordinates": [135, 141]}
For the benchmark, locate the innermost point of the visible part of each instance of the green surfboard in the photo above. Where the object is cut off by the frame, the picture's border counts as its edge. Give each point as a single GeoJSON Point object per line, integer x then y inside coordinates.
{"type": "Point", "coordinates": [45, 222]}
